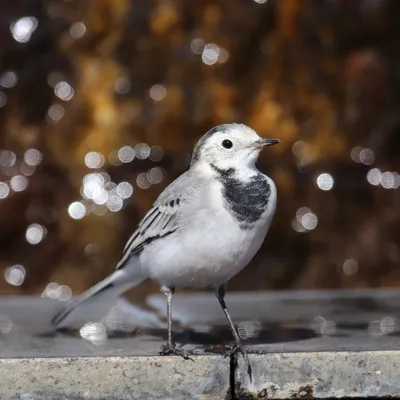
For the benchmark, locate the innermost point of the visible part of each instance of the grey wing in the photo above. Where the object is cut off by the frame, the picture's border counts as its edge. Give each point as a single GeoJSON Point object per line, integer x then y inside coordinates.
{"type": "Point", "coordinates": [161, 220]}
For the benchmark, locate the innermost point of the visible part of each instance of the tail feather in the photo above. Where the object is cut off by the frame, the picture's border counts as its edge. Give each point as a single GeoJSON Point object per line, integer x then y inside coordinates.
{"type": "Point", "coordinates": [95, 303]}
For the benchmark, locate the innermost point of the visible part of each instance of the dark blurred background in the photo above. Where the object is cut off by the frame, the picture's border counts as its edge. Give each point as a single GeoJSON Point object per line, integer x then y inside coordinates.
{"type": "Point", "coordinates": [102, 101]}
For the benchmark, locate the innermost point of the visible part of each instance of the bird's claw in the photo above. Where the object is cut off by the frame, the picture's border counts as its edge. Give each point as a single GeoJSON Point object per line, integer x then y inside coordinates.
{"type": "Point", "coordinates": [232, 351]}
{"type": "Point", "coordinates": [170, 348]}
{"type": "Point", "coordinates": [235, 349]}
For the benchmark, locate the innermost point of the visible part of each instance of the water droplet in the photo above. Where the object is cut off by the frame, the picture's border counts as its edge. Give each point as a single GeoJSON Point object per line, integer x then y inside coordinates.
{"type": "Point", "coordinates": [6, 324]}
{"type": "Point", "coordinates": [94, 332]}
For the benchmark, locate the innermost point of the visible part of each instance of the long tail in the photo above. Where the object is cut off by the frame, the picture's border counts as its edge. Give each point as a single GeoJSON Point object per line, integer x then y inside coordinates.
{"type": "Point", "coordinates": [95, 303]}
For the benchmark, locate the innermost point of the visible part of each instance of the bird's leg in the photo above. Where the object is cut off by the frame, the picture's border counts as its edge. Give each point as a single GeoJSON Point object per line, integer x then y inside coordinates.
{"type": "Point", "coordinates": [170, 347]}
{"type": "Point", "coordinates": [237, 346]}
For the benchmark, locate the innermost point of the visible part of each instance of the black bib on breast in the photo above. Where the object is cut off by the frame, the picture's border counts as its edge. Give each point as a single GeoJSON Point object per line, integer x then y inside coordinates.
{"type": "Point", "coordinates": [246, 200]}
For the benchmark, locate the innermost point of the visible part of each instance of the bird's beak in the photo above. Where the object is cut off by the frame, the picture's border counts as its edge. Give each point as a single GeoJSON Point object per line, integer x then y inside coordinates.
{"type": "Point", "coordinates": [266, 142]}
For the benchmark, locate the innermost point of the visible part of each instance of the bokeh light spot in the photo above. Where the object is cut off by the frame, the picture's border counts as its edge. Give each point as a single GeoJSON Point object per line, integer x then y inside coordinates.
{"type": "Point", "coordinates": [55, 113]}
{"type": "Point", "coordinates": [210, 54]}
{"type": "Point", "coordinates": [142, 151]}
{"type": "Point", "coordinates": [9, 79]}
{"type": "Point", "coordinates": [355, 154]}
{"type": "Point", "coordinates": [114, 203]}
{"type": "Point", "coordinates": [367, 156]}
{"type": "Point", "coordinates": [35, 233]}
{"type": "Point", "coordinates": [19, 183]}
{"type": "Point", "coordinates": [197, 45]}
{"type": "Point", "coordinates": [350, 267]}
{"type": "Point", "coordinates": [155, 175]}
{"type": "Point", "coordinates": [374, 176]}
{"type": "Point", "coordinates": [32, 157]}
{"type": "Point", "coordinates": [124, 190]}
{"type": "Point", "coordinates": [77, 210]}
{"type": "Point", "coordinates": [309, 221]}
{"type": "Point", "coordinates": [64, 91]}
{"type": "Point", "coordinates": [122, 85]}
{"type": "Point", "coordinates": [15, 275]}
{"type": "Point", "coordinates": [158, 92]}
{"type": "Point", "coordinates": [156, 153]}
{"type": "Point", "coordinates": [4, 190]}
{"type": "Point", "coordinates": [142, 181]}
{"type": "Point", "coordinates": [7, 158]}
{"type": "Point", "coordinates": [126, 154]}
{"type": "Point", "coordinates": [94, 160]}
{"type": "Point", "coordinates": [325, 181]}
{"type": "Point", "coordinates": [77, 30]}
{"type": "Point", "coordinates": [3, 99]}
{"type": "Point", "coordinates": [23, 28]}
{"type": "Point", "coordinates": [388, 180]}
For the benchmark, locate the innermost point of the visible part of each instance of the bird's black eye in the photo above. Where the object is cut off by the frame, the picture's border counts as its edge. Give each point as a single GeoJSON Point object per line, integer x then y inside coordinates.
{"type": "Point", "coordinates": [227, 143]}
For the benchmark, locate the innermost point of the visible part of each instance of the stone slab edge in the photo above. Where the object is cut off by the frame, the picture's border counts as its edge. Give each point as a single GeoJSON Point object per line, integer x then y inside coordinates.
{"type": "Point", "coordinates": [320, 375]}
{"type": "Point", "coordinates": [112, 378]}
{"type": "Point", "coordinates": [275, 376]}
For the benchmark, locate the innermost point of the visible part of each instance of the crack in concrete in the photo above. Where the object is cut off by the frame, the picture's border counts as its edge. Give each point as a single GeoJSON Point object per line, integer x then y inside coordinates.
{"type": "Point", "coordinates": [233, 364]}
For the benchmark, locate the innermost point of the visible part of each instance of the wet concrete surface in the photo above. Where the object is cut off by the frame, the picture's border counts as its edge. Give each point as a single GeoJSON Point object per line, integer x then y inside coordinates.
{"type": "Point", "coordinates": [309, 339]}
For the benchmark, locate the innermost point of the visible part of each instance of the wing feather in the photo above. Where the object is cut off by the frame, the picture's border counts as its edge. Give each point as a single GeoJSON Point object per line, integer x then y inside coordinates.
{"type": "Point", "coordinates": [160, 221]}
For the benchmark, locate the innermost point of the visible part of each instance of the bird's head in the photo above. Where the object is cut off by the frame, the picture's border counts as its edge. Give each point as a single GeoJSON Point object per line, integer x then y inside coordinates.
{"type": "Point", "coordinates": [230, 146]}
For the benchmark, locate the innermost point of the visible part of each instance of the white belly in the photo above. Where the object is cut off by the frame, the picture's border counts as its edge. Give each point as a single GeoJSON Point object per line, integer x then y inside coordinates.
{"type": "Point", "coordinates": [203, 254]}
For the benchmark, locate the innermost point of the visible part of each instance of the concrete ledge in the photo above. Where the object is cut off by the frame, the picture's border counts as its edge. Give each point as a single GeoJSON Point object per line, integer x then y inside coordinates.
{"type": "Point", "coordinates": [321, 375]}
{"type": "Point", "coordinates": [316, 345]}
{"type": "Point", "coordinates": [275, 376]}
{"type": "Point", "coordinates": [114, 378]}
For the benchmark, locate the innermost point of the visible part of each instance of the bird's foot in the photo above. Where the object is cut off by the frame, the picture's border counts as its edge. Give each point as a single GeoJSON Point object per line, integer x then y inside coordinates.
{"type": "Point", "coordinates": [238, 348]}
{"type": "Point", "coordinates": [170, 348]}
{"type": "Point", "coordinates": [232, 351]}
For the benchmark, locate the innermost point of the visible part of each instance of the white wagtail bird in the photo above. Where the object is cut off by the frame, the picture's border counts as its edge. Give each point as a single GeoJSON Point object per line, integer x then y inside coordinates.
{"type": "Point", "coordinates": [203, 229]}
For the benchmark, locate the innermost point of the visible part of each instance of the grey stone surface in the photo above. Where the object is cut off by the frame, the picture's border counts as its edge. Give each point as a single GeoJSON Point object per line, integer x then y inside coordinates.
{"type": "Point", "coordinates": [321, 375]}
{"type": "Point", "coordinates": [113, 378]}
{"type": "Point", "coordinates": [317, 344]}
